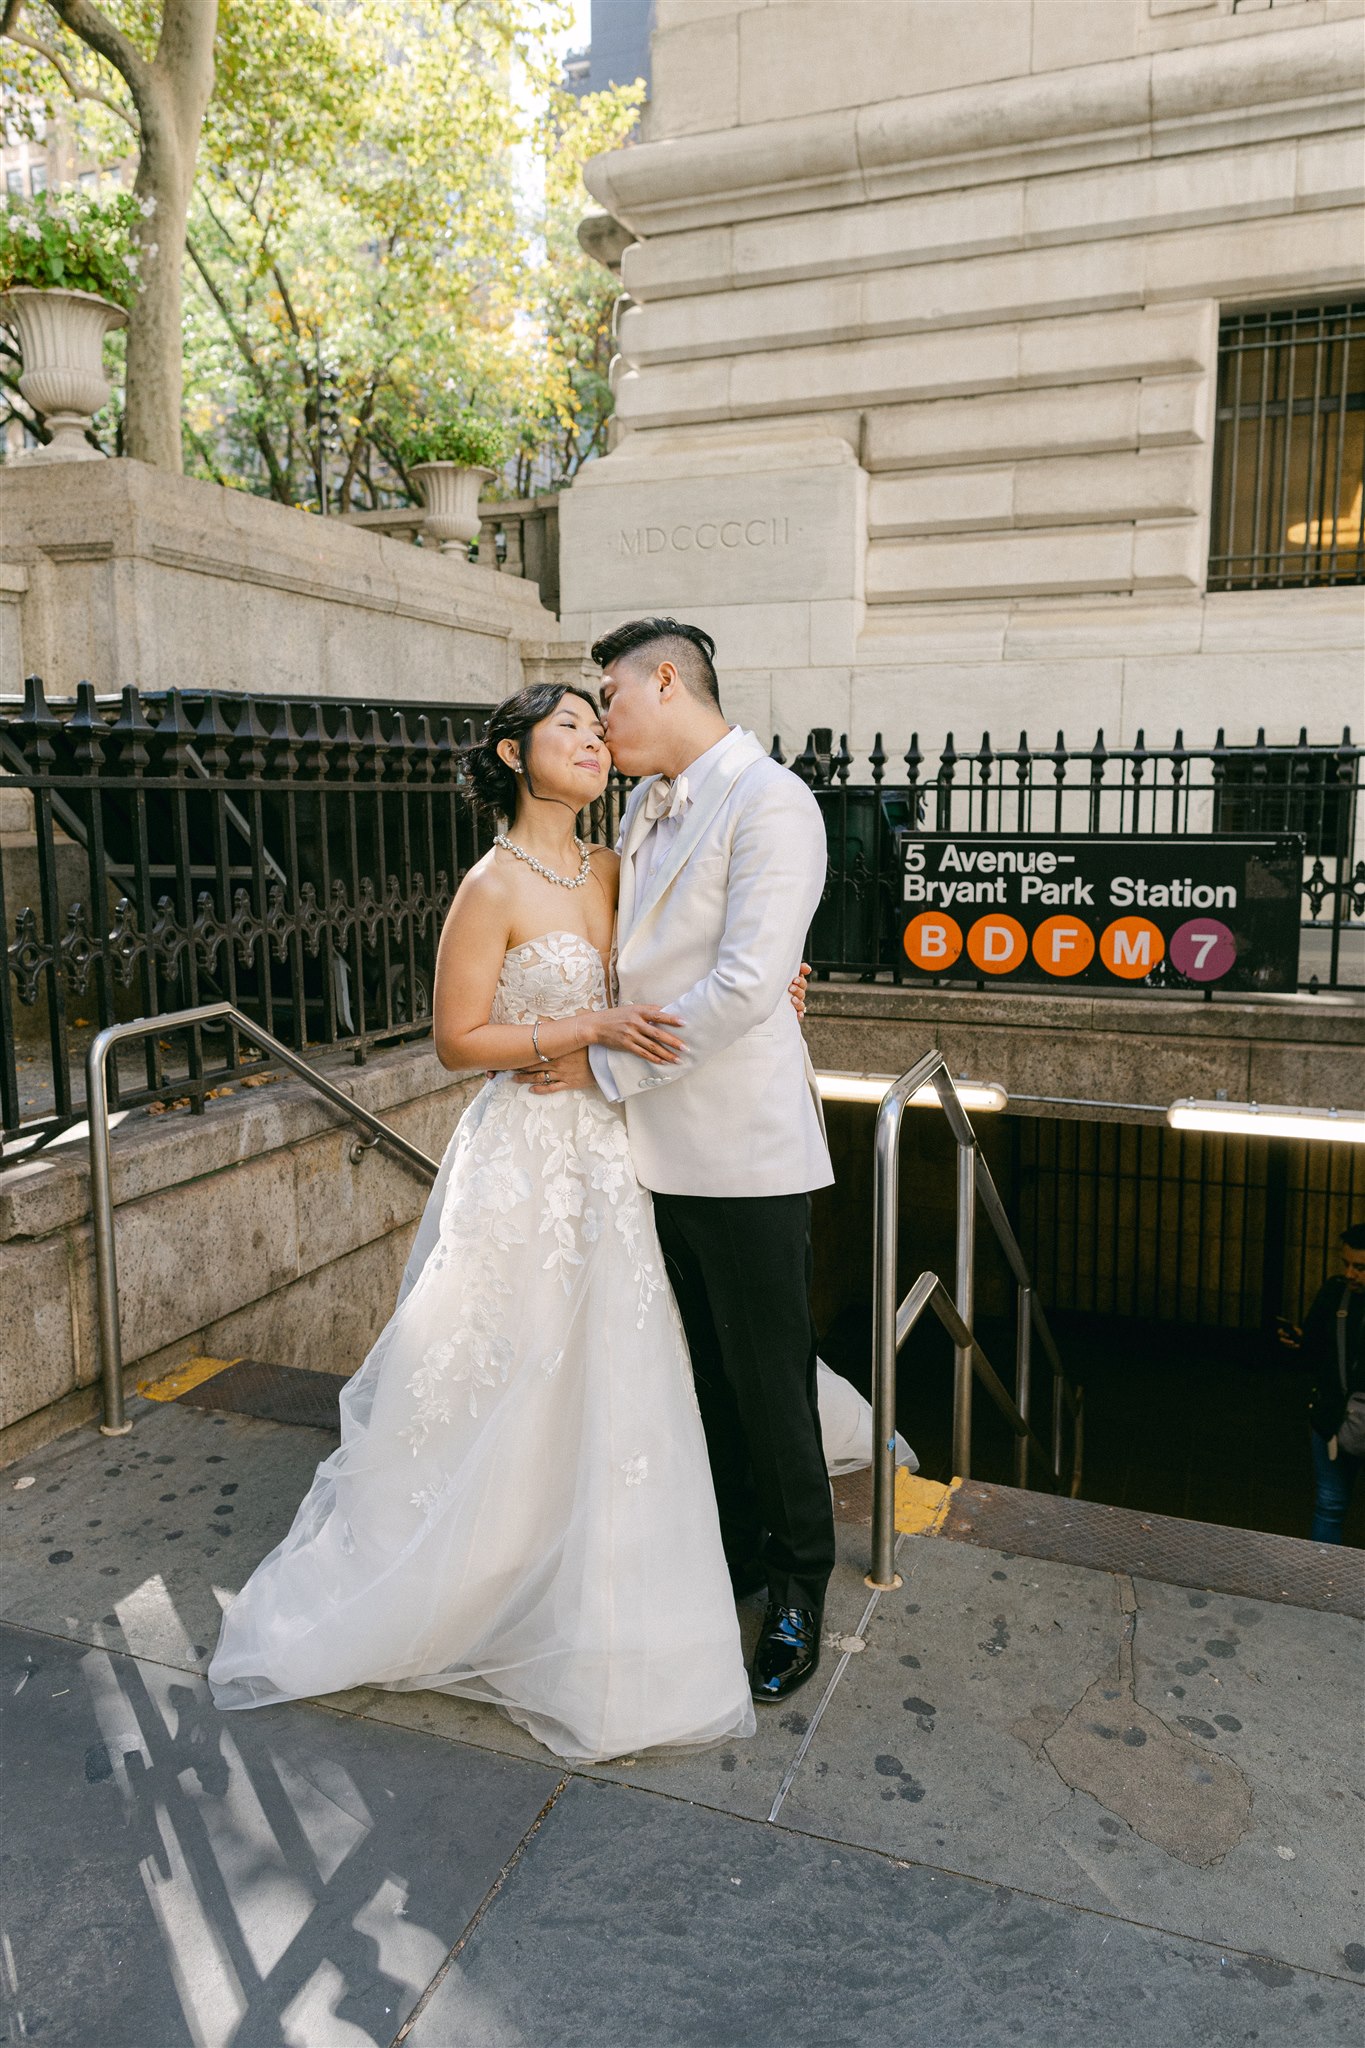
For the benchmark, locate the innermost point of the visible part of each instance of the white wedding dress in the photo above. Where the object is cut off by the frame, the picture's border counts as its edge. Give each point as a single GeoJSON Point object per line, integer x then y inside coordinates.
{"type": "Point", "coordinates": [521, 1509]}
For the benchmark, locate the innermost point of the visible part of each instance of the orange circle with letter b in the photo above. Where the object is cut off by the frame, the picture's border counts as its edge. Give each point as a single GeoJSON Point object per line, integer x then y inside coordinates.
{"type": "Point", "coordinates": [932, 941]}
{"type": "Point", "coordinates": [997, 944]}
{"type": "Point", "coordinates": [1063, 945]}
{"type": "Point", "coordinates": [1131, 947]}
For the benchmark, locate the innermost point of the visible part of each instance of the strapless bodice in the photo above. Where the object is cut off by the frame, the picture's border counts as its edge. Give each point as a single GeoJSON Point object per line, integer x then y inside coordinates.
{"type": "Point", "coordinates": [552, 976]}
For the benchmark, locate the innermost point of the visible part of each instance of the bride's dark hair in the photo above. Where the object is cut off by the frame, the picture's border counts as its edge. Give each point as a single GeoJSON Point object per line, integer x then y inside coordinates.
{"type": "Point", "coordinates": [493, 784]}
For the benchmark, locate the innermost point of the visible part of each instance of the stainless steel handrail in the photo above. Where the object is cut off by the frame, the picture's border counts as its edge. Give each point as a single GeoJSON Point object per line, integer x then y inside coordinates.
{"type": "Point", "coordinates": [115, 1422]}
{"type": "Point", "coordinates": [893, 1319]}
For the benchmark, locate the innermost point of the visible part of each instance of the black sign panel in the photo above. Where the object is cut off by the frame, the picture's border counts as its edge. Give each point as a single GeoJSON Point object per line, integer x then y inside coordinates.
{"type": "Point", "coordinates": [1104, 911]}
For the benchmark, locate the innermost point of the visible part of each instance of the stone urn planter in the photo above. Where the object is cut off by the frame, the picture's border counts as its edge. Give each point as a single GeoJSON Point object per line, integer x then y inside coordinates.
{"type": "Point", "coordinates": [450, 494]}
{"type": "Point", "coordinates": [61, 341]}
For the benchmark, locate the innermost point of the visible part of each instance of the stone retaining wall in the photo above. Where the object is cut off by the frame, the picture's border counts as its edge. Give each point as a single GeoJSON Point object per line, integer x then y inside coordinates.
{"type": "Point", "coordinates": [1112, 1052]}
{"type": "Point", "coordinates": [245, 1232]}
{"type": "Point", "coordinates": [142, 577]}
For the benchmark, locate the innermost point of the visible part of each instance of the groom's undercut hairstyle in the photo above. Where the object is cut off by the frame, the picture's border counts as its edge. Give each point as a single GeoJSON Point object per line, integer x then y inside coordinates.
{"type": "Point", "coordinates": [691, 651]}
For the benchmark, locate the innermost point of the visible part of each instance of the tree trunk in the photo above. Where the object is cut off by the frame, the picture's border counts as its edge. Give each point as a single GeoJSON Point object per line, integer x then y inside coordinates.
{"type": "Point", "coordinates": [155, 343]}
{"type": "Point", "coordinates": [171, 113]}
{"type": "Point", "coordinates": [170, 94]}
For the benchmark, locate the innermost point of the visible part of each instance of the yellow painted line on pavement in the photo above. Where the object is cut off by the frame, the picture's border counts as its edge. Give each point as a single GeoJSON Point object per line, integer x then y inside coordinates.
{"type": "Point", "coordinates": [922, 1504]}
{"type": "Point", "coordinates": [192, 1373]}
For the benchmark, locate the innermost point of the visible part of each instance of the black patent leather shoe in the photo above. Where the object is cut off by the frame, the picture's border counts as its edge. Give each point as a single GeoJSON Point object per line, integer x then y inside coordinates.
{"type": "Point", "coordinates": [787, 1653]}
{"type": "Point", "coordinates": [749, 1578]}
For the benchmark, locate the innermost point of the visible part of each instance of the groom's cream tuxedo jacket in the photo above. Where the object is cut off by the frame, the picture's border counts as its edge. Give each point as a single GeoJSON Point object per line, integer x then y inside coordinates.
{"type": "Point", "coordinates": [714, 934]}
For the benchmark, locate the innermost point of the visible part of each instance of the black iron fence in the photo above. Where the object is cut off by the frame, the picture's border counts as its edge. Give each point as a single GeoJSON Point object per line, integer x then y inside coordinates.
{"type": "Point", "coordinates": [1137, 790]}
{"type": "Point", "coordinates": [296, 857]}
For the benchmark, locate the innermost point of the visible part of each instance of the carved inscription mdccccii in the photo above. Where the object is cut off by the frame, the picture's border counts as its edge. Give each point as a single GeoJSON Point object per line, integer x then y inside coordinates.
{"type": "Point", "coordinates": [706, 535]}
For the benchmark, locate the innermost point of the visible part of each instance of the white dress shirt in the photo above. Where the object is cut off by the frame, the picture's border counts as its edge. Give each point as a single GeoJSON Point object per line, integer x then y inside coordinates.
{"type": "Point", "coordinates": [661, 834]}
{"type": "Point", "coordinates": [654, 848]}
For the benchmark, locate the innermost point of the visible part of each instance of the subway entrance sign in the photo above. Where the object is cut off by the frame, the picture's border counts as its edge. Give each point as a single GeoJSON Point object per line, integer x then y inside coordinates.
{"type": "Point", "coordinates": [1103, 910]}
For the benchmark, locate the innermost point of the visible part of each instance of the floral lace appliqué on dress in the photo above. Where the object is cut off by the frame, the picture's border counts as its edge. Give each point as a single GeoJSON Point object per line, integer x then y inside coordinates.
{"type": "Point", "coordinates": [521, 1509]}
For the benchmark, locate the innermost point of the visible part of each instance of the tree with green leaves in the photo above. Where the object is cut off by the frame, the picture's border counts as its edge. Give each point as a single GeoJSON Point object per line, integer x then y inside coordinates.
{"type": "Point", "coordinates": [359, 245]}
{"type": "Point", "coordinates": [149, 67]}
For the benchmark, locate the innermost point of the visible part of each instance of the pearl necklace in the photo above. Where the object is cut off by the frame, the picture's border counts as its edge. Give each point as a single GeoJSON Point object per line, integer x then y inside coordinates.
{"type": "Point", "coordinates": [576, 882]}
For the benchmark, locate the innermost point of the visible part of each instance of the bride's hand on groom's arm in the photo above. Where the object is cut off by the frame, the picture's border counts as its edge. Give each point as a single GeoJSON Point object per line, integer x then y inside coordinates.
{"type": "Point", "coordinates": [642, 1028]}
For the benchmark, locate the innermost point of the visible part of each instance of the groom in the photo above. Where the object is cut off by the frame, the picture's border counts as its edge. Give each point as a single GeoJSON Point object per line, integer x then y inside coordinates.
{"type": "Point", "coordinates": [722, 865]}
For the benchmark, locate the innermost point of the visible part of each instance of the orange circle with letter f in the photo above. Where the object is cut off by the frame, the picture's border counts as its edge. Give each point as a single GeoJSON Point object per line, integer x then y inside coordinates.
{"type": "Point", "coordinates": [1063, 945]}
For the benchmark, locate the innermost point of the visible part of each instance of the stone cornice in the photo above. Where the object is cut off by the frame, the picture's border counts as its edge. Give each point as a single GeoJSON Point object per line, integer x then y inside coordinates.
{"type": "Point", "coordinates": [1177, 99]}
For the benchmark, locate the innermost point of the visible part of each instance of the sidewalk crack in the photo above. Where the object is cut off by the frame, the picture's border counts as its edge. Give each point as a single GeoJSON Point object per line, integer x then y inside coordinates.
{"type": "Point", "coordinates": [478, 1915]}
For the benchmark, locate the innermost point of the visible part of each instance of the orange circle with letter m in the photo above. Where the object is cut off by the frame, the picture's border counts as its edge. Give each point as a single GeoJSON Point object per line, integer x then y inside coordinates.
{"type": "Point", "coordinates": [1131, 947]}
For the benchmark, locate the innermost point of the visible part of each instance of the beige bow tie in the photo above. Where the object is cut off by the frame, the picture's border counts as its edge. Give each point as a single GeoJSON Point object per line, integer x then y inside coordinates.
{"type": "Point", "coordinates": [666, 799]}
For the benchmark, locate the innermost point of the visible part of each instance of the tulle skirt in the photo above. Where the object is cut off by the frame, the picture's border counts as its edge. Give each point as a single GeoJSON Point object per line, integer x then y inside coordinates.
{"type": "Point", "coordinates": [520, 1509]}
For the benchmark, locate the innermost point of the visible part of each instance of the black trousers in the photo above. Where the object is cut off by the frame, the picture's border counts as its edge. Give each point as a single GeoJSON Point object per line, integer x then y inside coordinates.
{"type": "Point", "coordinates": [741, 1271]}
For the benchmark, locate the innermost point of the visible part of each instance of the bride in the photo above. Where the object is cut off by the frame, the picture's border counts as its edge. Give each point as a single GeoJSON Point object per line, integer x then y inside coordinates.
{"type": "Point", "coordinates": [520, 1509]}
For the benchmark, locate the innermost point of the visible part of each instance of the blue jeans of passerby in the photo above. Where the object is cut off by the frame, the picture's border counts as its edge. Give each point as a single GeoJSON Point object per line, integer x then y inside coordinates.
{"type": "Point", "coordinates": [1334, 1482]}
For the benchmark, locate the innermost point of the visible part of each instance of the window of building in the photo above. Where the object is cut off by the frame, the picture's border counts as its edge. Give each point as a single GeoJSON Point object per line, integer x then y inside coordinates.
{"type": "Point", "coordinates": [1289, 450]}
{"type": "Point", "coordinates": [37, 178]}
{"type": "Point", "coordinates": [90, 181]}
{"type": "Point", "coordinates": [14, 182]}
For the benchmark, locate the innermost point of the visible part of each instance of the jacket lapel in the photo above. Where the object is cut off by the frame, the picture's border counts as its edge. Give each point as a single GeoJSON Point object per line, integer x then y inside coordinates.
{"type": "Point", "coordinates": [743, 750]}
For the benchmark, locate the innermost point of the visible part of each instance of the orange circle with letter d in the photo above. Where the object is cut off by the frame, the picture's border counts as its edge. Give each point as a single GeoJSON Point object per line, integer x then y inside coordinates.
{"type": "Point", "coordinates": [932, 941]}
{"type": "Point", "coordinates": [1131, 947]}
{"type": "Point", "coordinates": [1063, 945]}
{"type": "Point", "coordinates": [997, 944]}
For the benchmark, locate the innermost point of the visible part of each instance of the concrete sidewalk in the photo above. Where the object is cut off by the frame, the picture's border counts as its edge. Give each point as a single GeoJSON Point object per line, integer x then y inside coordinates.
{"type": "Point", "coordinates": [1044, 1805]}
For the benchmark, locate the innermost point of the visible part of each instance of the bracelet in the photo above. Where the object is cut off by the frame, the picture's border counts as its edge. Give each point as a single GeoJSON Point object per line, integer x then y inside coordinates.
{"type": "Point", "coordinates": [544, 1058]}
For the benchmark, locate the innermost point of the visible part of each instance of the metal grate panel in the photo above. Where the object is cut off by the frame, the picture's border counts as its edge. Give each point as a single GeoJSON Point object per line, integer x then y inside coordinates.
{"type": "Point", "coordinates": [276, 1393]}
{"type": "Point", "coordinates": [1289, 450]}
{"type": "Point", "coordinates": [1329, 1577]}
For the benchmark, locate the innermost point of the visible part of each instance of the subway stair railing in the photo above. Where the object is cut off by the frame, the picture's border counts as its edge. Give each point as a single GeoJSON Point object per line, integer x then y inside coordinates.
{"type": "Point", "coordinates": [894, 1319]}
{"type": "Point", "coordinates": [115, 1422]}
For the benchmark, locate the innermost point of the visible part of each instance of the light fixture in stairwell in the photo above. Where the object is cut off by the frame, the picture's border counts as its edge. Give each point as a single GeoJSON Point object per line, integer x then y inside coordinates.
{"type": "Point", "coordinates": [870, 1088]}
{"type": "Point", "coordinates": [1268, 1120]}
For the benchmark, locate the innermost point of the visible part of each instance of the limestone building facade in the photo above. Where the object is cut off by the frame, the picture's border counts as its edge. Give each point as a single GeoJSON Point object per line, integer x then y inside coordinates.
{"type": "Point", "coordinates": [994, 364]}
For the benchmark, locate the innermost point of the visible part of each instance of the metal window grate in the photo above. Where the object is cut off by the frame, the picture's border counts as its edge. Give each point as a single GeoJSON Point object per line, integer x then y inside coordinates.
{"type": "Point", "coordinates": [1289, 449]}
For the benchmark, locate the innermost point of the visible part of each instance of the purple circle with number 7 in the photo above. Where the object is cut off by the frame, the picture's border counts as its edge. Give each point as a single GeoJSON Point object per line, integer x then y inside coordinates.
{"type": "Point", "coordinates": [1203, 949]}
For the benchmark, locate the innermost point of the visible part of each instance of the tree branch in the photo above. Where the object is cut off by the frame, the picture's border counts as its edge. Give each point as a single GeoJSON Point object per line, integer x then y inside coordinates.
{"type": "Point", "coordinates": [286, 301]}
{"type": "Point", "coordinates": [205, 454]}
{"type": "Point", "coordinates": [66, 74]}
{"type": "Point", "coordinates": [95, 29]}
{"type": "Point", "coordinates": [278, 481]}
